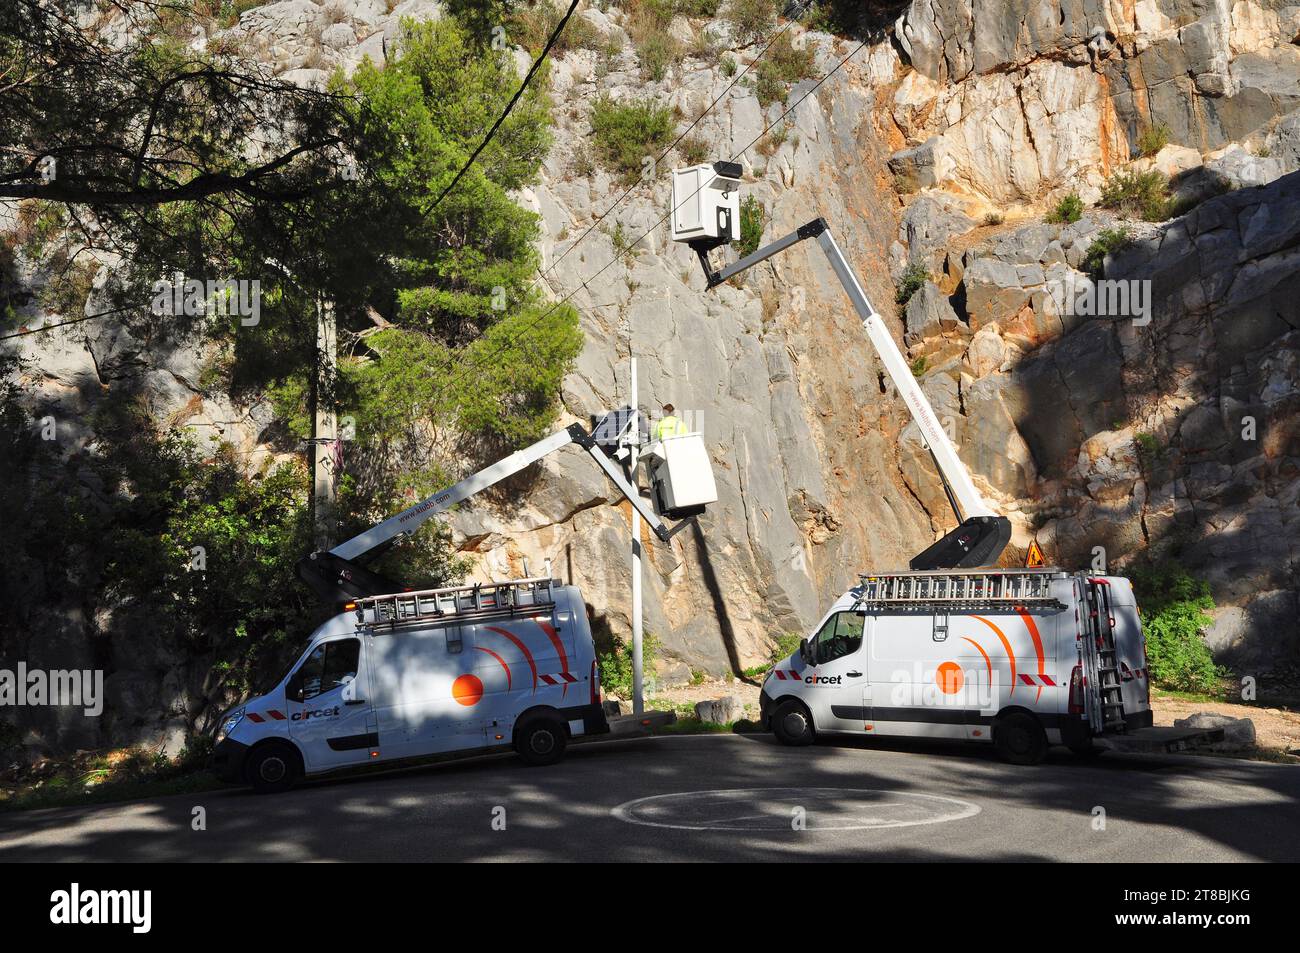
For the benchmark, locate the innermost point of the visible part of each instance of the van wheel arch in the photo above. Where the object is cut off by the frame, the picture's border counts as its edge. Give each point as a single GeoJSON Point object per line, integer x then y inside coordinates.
{"type": "Point", "coordinates": [294, 756]}
{"type": "Point", "coordinates": [543, 712]}
{"type": "Point", "coordinates": [1019, 736]}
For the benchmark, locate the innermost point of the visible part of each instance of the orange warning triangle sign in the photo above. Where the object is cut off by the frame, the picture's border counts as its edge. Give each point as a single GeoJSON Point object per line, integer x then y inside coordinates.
{"type": "Point", "coordinates": [1034, 559]}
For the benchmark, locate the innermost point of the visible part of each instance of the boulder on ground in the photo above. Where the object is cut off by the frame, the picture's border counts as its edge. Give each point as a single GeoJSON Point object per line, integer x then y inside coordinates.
{"type": "Point", "coordinates": [720, 711]}
{"type": "Point", "coordinates": [1238, 733]}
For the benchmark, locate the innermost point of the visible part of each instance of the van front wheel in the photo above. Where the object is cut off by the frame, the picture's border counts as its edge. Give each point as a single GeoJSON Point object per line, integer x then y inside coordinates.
{"type": "Point", "coordinates": [273, 768]}
{"type": "Point", "coordinates": [541, 742]}
{"type": "Point", "coordinates": [792, 724]}
{"type": "Point", "coordinates": [1019, 738]}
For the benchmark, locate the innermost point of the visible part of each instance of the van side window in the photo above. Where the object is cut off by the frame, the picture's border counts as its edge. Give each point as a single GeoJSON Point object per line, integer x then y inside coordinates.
{"type": "Point", "coordinates": [329, 666]}
{"type": "Point", "coordinates": [840, 636]}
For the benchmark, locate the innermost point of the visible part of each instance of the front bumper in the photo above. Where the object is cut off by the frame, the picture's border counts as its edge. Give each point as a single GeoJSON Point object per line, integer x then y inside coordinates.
{"type": "Point", "coordinates": [228, 759]}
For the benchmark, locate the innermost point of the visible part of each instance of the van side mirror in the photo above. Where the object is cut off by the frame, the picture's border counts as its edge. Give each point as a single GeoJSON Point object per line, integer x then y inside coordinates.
{"type": "Point", "coordinates": [806, 652]}
{"type": "Point", "coordinates": [293, 689]}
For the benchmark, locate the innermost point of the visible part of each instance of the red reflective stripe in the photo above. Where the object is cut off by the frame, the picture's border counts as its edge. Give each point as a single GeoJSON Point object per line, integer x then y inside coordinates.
{"type": "Point", "coordinates": [277, 715]}
{"type": "Point", "coordinates": [255, 717]}
{"type": "Point", "coordinates": [1047, 680]}
{"type": "Point", "coordinates": [780, 674]}
{"type": "Point", "coordinates": [1028, 680]}
{"type": "Point", "coordinates": [559, 647]}
{"type": "Point", "coordinates": [548, 679]}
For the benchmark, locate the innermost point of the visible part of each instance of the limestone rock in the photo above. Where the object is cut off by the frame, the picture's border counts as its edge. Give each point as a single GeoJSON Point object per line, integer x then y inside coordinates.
{"type": "Point", "coordinates": [1238, 733]}
{"type": "Point", "coordinates": [721, 711]}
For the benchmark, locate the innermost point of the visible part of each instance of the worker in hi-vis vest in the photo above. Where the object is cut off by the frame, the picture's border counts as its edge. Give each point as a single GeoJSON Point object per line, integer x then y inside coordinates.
{"type": "Point", "coordinates": [669, 425]}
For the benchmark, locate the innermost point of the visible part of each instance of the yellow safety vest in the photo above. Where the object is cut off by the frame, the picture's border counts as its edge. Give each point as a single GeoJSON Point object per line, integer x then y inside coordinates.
{"type": "Point", "coordinates": [669, 427]}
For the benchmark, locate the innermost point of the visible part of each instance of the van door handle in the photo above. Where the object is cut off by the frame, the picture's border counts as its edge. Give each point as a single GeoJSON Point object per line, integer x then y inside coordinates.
{"type": "Point", "coordinates": [853, 674]}
{"type": "Point", "coordinates": [355, 701]}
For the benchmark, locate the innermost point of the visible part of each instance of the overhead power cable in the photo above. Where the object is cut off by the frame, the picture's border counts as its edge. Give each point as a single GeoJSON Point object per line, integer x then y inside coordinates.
{"type": "Point", "coordinates": [696, 121]}
{"type": "Point", "coordinates": [476, 365]}
{"type": "Point", "coordinates": [537, 65]}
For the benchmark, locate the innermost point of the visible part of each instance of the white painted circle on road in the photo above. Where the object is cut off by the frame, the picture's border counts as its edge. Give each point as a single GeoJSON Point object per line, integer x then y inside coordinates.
{"type": "Point", "coordinates": [777, 809]}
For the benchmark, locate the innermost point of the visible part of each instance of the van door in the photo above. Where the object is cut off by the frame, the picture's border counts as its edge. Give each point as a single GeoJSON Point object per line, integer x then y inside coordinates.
{"type": "Point", "coordinates": [426, 692]}
{"type": "Point", "coordinates": [329, 709]}
{"type": "Point", "coordinates": [836, 687]}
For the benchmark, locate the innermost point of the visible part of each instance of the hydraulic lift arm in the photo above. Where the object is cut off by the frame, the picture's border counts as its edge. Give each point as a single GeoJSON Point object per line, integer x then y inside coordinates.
{"type": "Point", "coordinates": [982, 533]}
{"type": "Point", "coordinates": [337, 577]}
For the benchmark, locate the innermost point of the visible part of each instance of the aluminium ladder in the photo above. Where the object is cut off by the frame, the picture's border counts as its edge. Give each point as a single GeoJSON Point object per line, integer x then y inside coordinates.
{"type": "Point", "coordinates": [1101, 629]}
{"type": "Point", "coordinates": [488, 598]}
{"type": "Point", "coordinates": [957, 590]}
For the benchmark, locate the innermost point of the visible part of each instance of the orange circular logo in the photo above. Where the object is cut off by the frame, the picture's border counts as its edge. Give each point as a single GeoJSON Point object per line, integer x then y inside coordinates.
{"type": "Point", "coordinates": [467, 690]}
{"type": "Point", "coordinates": [949, 678]}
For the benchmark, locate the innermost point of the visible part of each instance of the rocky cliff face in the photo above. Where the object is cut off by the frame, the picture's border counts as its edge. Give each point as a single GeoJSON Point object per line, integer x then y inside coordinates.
{"type": "Point", "coordinates": [938, 146]}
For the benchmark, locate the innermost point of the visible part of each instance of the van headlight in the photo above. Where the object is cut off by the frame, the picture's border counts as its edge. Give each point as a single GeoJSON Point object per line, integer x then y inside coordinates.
{"type": "Point", "coordinates": [230, 724]}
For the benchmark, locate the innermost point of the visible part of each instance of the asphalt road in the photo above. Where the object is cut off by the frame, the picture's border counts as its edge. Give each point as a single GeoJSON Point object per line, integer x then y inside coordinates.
{"type": "Point", "coordinates": [714, 797]}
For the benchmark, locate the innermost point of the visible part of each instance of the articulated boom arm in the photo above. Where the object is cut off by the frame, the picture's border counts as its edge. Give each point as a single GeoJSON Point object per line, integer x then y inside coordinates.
{"type": "Point", "coordinates": [336, 576]}
{"type": "Point", "coordinates": [982, 534]}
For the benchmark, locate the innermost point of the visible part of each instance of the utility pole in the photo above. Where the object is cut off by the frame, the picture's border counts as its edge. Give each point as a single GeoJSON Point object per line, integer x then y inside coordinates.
{"type": "Point", "coordinates": [324, 438]}
{"type": "Point", "coordinates": [634, 450]}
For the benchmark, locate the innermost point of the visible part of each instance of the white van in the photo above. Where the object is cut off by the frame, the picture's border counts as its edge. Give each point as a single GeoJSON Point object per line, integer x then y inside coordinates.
{"type": "Point", "coordinates": [1019, 658]}
{"type": "Point", "coordinates": [414, 674]}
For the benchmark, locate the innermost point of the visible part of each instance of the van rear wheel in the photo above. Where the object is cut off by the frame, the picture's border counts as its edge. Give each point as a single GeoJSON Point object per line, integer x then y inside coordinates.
{"type": "Point", "coordinates": [1019, 738]}
{"type": "Point", "coordinates": [793, 725]}
{"type": "Point", "coordinates": [273, 768]}
{"type": "Point", "coordinates": [541, 742]}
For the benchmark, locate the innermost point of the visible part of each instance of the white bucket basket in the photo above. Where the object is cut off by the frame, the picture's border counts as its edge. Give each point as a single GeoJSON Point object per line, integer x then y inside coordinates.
{"type": "Point", "coordinates": [682, 475]}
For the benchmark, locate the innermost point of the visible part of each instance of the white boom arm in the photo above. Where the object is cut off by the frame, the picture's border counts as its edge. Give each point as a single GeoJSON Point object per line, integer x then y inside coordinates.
{"type": "Point", "coordinates": [983, 534]}
{"type": "Point", "coordinates": [952, 470]}
{"type": "Point", "coordinates": [411, 518]}
{"type": "Point", "coordinates": [336, 577]}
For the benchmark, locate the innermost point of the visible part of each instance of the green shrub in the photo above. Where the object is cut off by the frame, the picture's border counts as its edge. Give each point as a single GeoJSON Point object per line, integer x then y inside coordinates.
{"type": "Point", "coordinates": [752, 219]}
{"type": "Point", "coordinates": [913, 278]}
{"type": "Point", "coordinates": [919, 366]}
{"type": "Point", "coordinates": [750, 20]}
{"type": "Point", "coordinates": [728, 66]}
{"type": "Point", "coordinates": [1108, 241]}
{"type": "Point", "coordinates": [853, 18]}
{"type": "Point", "coordinates": [228, 12]}
{"type": "Point", "coordinates": [656, 52]}
{"type": "Point", "coordinates": [625, 133]}
{"type": "Point", "coordinates": [1148, 447]}
{"type": "Point", "coordinates": [694, 150]}
{"type": "Point", "coordinates": [616, 664]}
{"type": "Point", "coordinates": [532, 24]}
{"type": "Point", "coordinates": [698, 8]}
{"type": "Point", "coordinates": [1066, 211]}
{"type": "Point", "coordinates": [785, 646]}
{"type": "Point", "coordinates": [1138, 194]}
{"type": "Point", "coordinates": [1173, 607]}
{"type": "Point", "coordinates": [783, 64]}
{"type": "Point", "coordinates": [1153, 139]}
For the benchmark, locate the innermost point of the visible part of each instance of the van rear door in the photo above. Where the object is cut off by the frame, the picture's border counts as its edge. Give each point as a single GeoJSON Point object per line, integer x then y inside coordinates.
{"type": "Point", "coordinates": [328, 706]}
